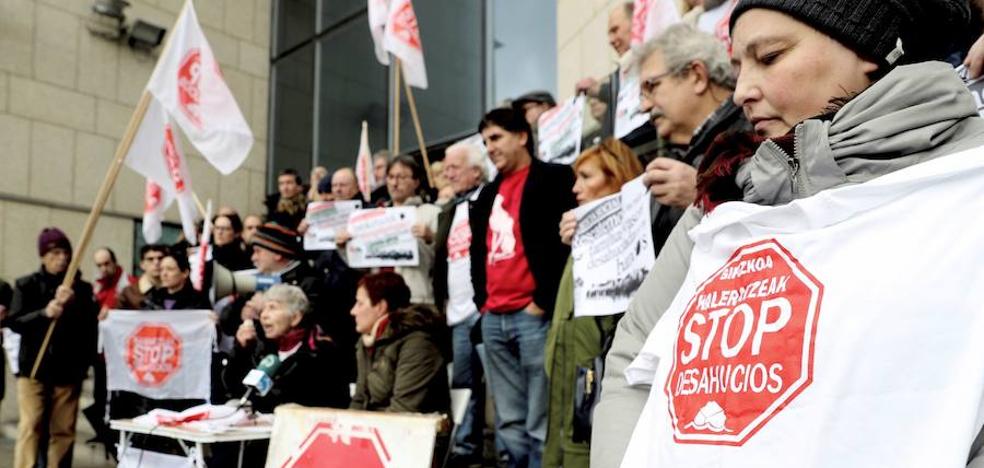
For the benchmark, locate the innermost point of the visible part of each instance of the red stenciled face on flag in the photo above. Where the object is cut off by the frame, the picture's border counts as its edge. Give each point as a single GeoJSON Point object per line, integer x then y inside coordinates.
{"type": "Point", "coordinates": [153, 354]}
{"type": "Point", "coordinates": [152, 197]}
{"type": "Point", "coordinates": [189, 91]}
{"type": "Point", "coordinates": [173, 159]}
{"type": "Point", "coordinates": [744, 348]}
{"type": "Point", "coordinates": [405, 25]}
{"type": "Point", "coordinates": [355, 446]}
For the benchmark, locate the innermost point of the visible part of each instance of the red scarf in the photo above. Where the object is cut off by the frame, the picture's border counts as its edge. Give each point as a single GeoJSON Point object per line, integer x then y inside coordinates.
{"type": "Point", "coordinates": [291, 339]}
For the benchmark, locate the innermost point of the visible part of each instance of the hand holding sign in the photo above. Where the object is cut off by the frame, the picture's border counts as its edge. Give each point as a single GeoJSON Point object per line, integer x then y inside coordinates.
{"type": "Point", "coordinates": [672, 182]}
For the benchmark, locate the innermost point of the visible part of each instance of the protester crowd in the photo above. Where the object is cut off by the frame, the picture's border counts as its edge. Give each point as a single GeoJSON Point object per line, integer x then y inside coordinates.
{"type": "Point", "coordinates": [490, 306]}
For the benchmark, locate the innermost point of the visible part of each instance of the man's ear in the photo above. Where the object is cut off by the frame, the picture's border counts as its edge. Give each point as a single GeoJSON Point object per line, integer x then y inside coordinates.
{"type": "Point", "coordinates": [700, 77]}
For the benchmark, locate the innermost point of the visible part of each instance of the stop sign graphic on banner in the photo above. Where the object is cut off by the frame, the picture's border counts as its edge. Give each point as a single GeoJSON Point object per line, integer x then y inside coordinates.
{"type": "Point", "coordinates": [744, 347]}
{"type": "Point", "coordinates": [330, 445]}
{"type": "Point", "coordinates": [153, 354]}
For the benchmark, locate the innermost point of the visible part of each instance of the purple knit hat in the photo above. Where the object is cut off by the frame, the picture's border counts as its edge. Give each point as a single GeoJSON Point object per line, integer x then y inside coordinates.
{"type": "Point", "coordinates": [52, 238]}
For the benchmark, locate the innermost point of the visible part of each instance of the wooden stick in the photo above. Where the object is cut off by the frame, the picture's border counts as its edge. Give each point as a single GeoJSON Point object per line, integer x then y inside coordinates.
{"type": "Point", "coordinates": [396, 109]}
{"type": "Point", "coordinates": [420, 133]}
{"type": "Point", "coordinates": [90, 223]}
{"type": "Point", "coordinates": [198, 202]}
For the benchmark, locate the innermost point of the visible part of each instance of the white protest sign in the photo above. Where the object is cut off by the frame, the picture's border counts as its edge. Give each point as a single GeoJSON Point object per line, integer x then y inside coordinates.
{"type": "Point", "coordinates": [811, 334]}
{"type": "Point", "coordinates": [328, 438]}
{"type": "Point", "coordinates": [324, 219]}
{"type": "Point", "coordinates": [381, 237]}
{"type": "Point", "coordinates": [612, 250]}
{"type": "Point", "coordinates": [559, 132]}
{"type": "Point", "coordinates": [976, 87]}
{"type": "Point", "coordinates": [159, 354]}
{"type": "Point", "coordinates": [627, 114]}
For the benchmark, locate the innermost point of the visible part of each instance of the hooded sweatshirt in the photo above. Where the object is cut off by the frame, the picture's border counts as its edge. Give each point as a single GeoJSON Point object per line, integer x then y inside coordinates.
{"type": "Point", "coordinates": [914, 114]}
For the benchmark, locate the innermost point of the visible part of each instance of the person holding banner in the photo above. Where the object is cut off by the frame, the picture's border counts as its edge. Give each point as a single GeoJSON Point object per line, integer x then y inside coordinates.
{"type": "Point", "coordinates": [573, 344]}
{"type": "Point", "coordinates": [133, 296]}
{"type": "Point", "coordinates": [176, 291]}
{"type": "Point", "coordinates": [48, 403]}
{"type": "Point", "coordinates": [879, 107]}
{"type": "Point", "coordinates": [310, 371]}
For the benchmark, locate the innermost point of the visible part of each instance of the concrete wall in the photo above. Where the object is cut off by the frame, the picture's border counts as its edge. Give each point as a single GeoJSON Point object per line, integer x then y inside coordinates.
{"type": "Point", "coordinates": [66, 97]}
{"type": "Point", "coordinates": [582, 42]}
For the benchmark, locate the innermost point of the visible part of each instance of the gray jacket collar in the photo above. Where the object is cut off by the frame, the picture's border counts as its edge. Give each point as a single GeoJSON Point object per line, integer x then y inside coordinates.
{"type": "Point", "coordinates": [913, 114]}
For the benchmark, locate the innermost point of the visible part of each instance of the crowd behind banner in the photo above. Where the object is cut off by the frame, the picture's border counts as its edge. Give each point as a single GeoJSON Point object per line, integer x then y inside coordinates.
{"type": "Point", "coordinates": [509, 276]}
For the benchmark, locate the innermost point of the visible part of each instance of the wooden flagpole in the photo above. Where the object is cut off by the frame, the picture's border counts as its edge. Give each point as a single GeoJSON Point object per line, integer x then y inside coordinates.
{"type": "Point", "coordinates": [420, 133]}
{"type": "Point", "coordinates": [396, 108]}
{"type": "Point", "coordinates": [107, 187]}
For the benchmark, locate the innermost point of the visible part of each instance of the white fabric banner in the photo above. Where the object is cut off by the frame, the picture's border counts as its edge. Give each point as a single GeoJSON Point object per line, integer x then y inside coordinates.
{"type": "Point", "coordinates": [330, 438]}
{"type": "Point", "coordinates": [402, 38]}
{"type": "Point", "coordinates": [159, 354]}
{"type": "Point", "coordinates": [155, 155]}
{"type": "Point", "coordinates": [612, 250]}
{"type": "Point", "coordinates": [378, 11]}
{"type": "Point", "coordinates": [838, 330]}
{"type": "Point", "coordinates": [652, 17]}
{"type": "Point", "coordinates": [189, 84]}
{"type": "Point", "coordinates": [365, 175]}
{"type": "Point", "coordinates": [559, 132]}
{"type": "Point", "coordinates": [381, 237]}
{"type": "Point", "coordinates": [156, 202]}
{"type": "Point", "coordinates": [324, 220]}
{"type": "Point", "coordinates": [628, 117]}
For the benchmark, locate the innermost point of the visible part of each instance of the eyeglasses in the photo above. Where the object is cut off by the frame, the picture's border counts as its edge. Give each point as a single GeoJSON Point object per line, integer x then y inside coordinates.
{"type": "Point", "coordinates": [648, 87]}
{"type": "Point", "coordinates": [399, 178]}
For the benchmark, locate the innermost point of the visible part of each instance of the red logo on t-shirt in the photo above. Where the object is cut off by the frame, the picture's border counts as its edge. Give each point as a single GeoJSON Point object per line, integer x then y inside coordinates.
{"type": "Point", "coordinates": [459, 241]}
{"type": "Point", "coordinates": [744, 348]}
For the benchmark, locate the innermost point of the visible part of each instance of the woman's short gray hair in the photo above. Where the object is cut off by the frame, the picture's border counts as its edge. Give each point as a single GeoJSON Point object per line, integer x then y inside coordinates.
{"type": "Point", "coordinates": [291, 297]}
{"type": "Point", "coordinates": [682, 44]}
{"type": "Point", "coordinates": [474, 157]}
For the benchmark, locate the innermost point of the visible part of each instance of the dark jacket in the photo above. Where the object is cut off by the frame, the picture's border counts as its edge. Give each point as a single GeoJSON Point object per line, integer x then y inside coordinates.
{"type": "Point", "coordinates": [234, 255]}
{"type": "Point", "coordinates": [728, 118]}
{"type": "Point", "coordinates": [546, 196]}
{"type": "Point", "coordinates": [73, 344]}
{"type": "Point", "coordinates": [406, 368]}
{"type": "Point", "coordinates": [186, 298]}
{"type": "Point", "coordinates": [312, 376]}
{"type": "Point", "coordinates": [284, 218]}
{"type": "Point", "coordinates": [439, 272]}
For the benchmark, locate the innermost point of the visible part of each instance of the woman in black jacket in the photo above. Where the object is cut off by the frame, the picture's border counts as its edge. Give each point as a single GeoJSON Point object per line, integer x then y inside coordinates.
{"type": "Point", "coordinates": [176, 291]}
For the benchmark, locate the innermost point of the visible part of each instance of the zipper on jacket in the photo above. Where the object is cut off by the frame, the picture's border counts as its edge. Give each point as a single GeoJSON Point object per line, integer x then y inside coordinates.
{"type": "Point", "coordinates": [792, 163]}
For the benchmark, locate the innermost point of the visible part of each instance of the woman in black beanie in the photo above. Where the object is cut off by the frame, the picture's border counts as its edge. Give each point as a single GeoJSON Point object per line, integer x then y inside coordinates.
{"type": "Point", "coordinates": [840, 92]}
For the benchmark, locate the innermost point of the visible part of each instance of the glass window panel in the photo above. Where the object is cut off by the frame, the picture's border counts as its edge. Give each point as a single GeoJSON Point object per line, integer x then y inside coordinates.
{"type": "Point", "coordinates": [335, 11]}
{"type": "Point", "coordinates": [293, 112]}
{"type": "Point", "coordinates": [295, 23]}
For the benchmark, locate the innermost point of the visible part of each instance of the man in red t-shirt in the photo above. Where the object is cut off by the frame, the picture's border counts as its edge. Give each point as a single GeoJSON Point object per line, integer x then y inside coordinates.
{"type": "Point", "coordinates": [515, 274]}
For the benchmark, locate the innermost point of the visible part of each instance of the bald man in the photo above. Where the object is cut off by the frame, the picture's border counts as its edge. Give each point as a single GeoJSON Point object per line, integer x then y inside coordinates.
{"type": "Point", "coordinates": [344, 185]}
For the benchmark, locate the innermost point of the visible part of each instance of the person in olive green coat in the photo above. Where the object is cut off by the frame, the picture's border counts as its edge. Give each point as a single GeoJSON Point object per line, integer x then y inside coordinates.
{"type": "Point", "coordinates": [404, 351]}
{"type": "Point", "coordinates": [574, 344]}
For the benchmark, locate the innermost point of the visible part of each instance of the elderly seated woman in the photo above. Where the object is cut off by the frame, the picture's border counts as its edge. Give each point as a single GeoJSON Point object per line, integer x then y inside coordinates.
{"type": "Point", "coordinates": [404, 350]}
{"type": "Point", "coordinates": [310, 364]}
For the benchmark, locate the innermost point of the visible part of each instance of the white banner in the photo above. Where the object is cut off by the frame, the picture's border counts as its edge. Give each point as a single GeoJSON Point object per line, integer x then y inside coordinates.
{"type": "Point", "coordinates": [402, 38]}
{"type": "Point", "coordinates": [559, 132]}
{"type": "Point", "coordinates": [159, 354]}
{"type": "Point", "coordinates": [378, 11]}
{"type": "Point", "coordinates": [189, 84]}
{"type": "Point", "coordinates": [813, 335]}
{"type": "Point", "coordinates": [325, 218]}
{"type": "Point", "coordinates": [612, 250]}
{"type": "Point", "coordinates": [627, 114]}
{"type": "Point", "coordinates": [381, 237]}
{"type": "Point", "coordinates": [156, 201]}
{"type": "Point", "coordinates": [652, 17]}
{"type": "Point", "coordinates": [330, 438]}
{"type": "Point", "coordinates": [365, 174]}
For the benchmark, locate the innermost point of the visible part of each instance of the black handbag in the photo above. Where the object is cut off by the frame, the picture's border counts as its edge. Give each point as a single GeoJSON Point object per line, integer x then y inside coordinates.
{"type": "Point", "coordinates": [587, 386]}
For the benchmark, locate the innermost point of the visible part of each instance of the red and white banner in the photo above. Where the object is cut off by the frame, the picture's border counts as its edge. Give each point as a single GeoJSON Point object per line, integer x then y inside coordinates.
{"type": "Point", "coordinates": [156, 202]}
{"type": "Point", "coordinates": [155, 155]}
{"type": "Point", "coordinates": [159, 354]}
{"type": "Point", "coordinates": [329, 438]}
{"type": "Point", "coordinates": [813, 335]}
{"type": "Point", "coordinates": [378, 11]}
{"type": "Point", "coordinates": [364, 173]}
{"type": "Point", "coordinates": [652, 17]}
{"type": "Point", "coordinates": [203, 255]}
{"type": "Point", "coordinates": [402, 38]}
{"type": "Point", "coordinates": [189, 84]}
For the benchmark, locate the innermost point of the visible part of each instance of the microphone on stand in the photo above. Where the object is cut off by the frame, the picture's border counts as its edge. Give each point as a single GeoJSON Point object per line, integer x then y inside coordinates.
{"type": "Point", "coordinates": [260, 379]}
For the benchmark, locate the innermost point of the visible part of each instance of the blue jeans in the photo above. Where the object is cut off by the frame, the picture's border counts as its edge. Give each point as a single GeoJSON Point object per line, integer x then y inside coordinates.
{"type": "Point", "coordinates": [514, 345]}
{"type": "Point", "coordinates": [467, 373]}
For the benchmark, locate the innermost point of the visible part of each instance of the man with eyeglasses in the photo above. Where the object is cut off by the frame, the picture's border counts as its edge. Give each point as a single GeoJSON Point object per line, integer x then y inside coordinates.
{"type": "Point", "coordinates": [686, 87]}
{"type": "Point", "coordinates": [133, 295]}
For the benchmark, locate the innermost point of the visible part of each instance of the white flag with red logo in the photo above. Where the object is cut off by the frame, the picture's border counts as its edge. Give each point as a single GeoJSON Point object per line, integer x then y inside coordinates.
{"type": "Point", "coordinates": [378, 11]}
{"type": "Point", "coordinates": [189, 84]}
{"type": "Point", "coordinates": [813, 335]}
{"type": "Point", "coordinates": [156, 202]}
{"type": "Point", "coordinates": [159, 354]}
{"type": "Point", "coordinates": [202, 254]}
{"type": "Point", "coordinates": [402, 38]}
{"type": "Point", "coordinates": [652, 17]}
{"type": "Point", "coordinates": [154, 154]}
{"type": "Point", "coordinates": [364, 172]}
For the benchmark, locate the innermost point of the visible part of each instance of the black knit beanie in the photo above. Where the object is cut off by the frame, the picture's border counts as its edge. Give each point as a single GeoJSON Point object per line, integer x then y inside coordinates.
{"type": "Point", "coordinates": [887, 32]}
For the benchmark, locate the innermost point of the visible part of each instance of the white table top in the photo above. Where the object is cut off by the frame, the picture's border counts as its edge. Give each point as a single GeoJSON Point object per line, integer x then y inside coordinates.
{"type": "Point", "coordinates": [259, 432]}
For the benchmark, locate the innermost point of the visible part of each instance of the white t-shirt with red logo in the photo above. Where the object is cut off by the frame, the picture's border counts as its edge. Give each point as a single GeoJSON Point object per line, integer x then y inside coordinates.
{"type": "Point", "coordinates": [460, 290]}
{"type": "Point", "coordinates": [841, 330]}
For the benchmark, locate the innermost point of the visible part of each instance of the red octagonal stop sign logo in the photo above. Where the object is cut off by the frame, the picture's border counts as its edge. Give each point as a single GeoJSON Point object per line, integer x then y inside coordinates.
{"type": "Point", "coordinates": [153, 354]}
{"type": "Point", "coordinates": [329, 445]}
{"type": "Point", "coordinates": [744, 348]}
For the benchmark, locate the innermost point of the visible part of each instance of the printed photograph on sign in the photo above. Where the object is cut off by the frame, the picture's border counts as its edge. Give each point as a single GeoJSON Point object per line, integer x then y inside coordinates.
{"type": "Point", "coordinates": [559, 132]}
{"type": "Point", "coordinates": [744, 348]}
{"type": "Point", "coordinates": [324, 219]}
{"type": "Point", "coordinates": [382, 237]}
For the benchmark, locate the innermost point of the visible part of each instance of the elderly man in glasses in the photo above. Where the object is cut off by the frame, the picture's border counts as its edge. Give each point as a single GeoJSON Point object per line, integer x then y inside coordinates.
{"type": "Point", "coordinates": [686, 86]}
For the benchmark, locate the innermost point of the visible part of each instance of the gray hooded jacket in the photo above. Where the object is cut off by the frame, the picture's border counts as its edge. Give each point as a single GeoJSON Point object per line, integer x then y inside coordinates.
{"type": "Point", "coordinates": [913, 114]}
